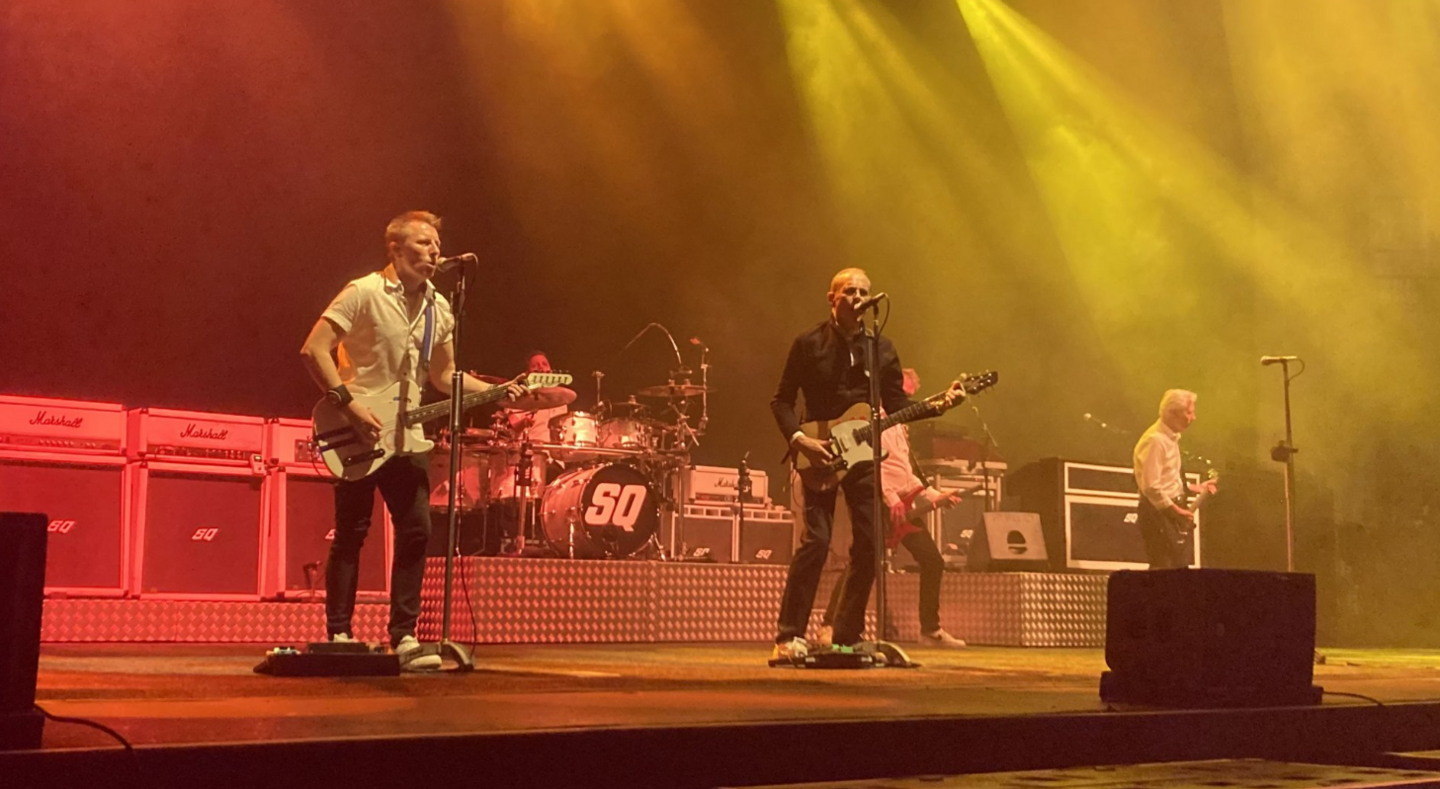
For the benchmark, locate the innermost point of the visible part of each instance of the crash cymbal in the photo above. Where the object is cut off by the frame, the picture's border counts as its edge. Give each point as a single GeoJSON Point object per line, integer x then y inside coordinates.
{"type": "Point", "coordinates": [543, 398]}
{"type": "Point", "coordinates": [672, 390]}
{"type": "Point", "coordinates": [629, 407]}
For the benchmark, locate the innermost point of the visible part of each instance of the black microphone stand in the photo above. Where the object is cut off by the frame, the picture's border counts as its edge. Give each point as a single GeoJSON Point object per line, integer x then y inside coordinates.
{"type": "Point", "coordinates": [1284, 452]}
{"type": "Point", "coordinates": [892, 654]}
{"type": "Point", "coordinates": [464, 660]}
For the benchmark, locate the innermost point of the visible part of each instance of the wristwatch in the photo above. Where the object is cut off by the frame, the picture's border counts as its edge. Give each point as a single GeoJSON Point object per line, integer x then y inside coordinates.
{"type": "Point", "coordinates": [339, 396]}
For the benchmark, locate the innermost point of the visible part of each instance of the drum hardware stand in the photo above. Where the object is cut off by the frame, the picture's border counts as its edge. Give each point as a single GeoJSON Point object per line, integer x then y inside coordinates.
{"type": "Point", "coordinates": [464, 660]}
{"type": "Point", "coordinates": [742, 497]}
{"type": "Point", "coordinates": [599, 400]}
{"type": "Point", "coordinates": [524, 485]}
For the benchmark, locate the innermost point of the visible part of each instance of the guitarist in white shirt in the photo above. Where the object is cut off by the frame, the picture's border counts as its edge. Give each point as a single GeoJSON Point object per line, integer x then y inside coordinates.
{"type": "Point", "coordinates": [827, 365]}
{"type": "Point", "coordinates": [386, 327]}
{"type": "Point", "coordinates": [1166, 523]}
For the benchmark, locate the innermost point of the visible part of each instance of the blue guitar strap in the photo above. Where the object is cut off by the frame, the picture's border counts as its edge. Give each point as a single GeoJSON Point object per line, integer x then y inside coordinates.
{"type": "Point", "coordinates": [428, 344]}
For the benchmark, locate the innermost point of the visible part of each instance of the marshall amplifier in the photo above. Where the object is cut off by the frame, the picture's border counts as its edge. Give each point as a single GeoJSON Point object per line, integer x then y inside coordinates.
{"type": "Point", "coordinates": [704, 484]}
{"type": "Point", "coordinates": [196, 438]}
{"type": "Point", "coordinates": [70, 427]}
{"type": "Point", "coordinates": [88, 502]}
{"type": "Point", "coordinates": [301, 524]}
{"type": "Point", "coordinates": [767, 536]}
{"type": "Point", "coordinates": [302, 520]}
{"type": "Point", "coordinates": [1087, 511]}
{"type": "Point", "coordinates": [198, 532]}
{"type": "Point", "coordinates": [706, 533]}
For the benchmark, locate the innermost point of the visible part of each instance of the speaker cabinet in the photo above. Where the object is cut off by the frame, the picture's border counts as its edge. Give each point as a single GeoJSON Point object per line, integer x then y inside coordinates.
{"type": "Point", "coordinates": [766, 536]}
{"type": "Point", "coordinates": [1008, 541]}
{"type": "Point", "coordinates": [89, 528]}
{"type": "Point", "coordinates": [199, 532]}
{"type": "Point", "coordinates": [22, 589]}
{"type": "Point", "coordinates": [1192, 637]}
{"type": "Point", "coordinates": [706, 533]}
{"type": "Point", "coordinates": [302, 524]}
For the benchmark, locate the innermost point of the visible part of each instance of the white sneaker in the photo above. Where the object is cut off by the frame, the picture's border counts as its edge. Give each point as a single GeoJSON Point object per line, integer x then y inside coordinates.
{"type": "Point", "coordinates": [413, 658]}
{"type": "Point", "coordinates": [940, 638]}
{"type": "Point", "coordinates": [794, 649]}
{"type": "Point", "coordinates": [341, 638]}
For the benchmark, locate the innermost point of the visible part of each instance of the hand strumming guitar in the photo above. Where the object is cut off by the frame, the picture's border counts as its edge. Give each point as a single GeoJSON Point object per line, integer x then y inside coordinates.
{"type": "Point", "coordinates": [814, 450]}
{"type": "Point", "coordinates": [365, 423]}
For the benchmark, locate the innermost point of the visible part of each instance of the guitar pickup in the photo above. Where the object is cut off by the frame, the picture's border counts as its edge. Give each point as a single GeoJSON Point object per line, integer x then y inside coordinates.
{"type": "Point", "coordinates": [363, 457]}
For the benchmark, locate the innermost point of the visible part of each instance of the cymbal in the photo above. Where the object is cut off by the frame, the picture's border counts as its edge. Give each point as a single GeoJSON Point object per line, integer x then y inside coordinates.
{"type": "Point", "coordinates": [543, 398]}
{"type": "Point", "coordinates": [672, 390]}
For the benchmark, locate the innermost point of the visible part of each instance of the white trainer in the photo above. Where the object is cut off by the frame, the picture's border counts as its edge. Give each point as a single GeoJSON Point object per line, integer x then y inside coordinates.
{"type": "Point", "coordinates": [413, 658]}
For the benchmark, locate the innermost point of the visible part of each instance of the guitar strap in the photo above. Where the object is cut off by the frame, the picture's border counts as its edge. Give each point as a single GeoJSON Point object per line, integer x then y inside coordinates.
{"type": "Point", "coordinates": [428, 343]}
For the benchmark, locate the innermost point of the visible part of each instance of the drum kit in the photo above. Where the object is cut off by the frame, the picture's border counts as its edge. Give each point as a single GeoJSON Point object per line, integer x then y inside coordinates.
{"type": "Point", "coordinates": [576, 484]}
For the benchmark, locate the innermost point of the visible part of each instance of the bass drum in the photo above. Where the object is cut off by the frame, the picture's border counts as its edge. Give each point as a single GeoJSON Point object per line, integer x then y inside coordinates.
{"type": "Point", "coordinates": [600, 511]}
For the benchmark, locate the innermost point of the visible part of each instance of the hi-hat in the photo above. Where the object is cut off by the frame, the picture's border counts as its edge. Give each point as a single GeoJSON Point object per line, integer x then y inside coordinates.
{"type": "Point", "coordinates": [542, 398]}
{"type": "Point", "coordinates": [673, 390]}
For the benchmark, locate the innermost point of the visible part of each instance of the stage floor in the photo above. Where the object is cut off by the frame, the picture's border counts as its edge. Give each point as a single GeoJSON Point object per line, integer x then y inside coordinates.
{"type": "Point", "coordinates": [168, 694]}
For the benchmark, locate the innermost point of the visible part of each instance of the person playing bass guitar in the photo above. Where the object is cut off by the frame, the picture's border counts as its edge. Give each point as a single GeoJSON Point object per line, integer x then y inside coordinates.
{"type": "Point", "coordinates": [391, 326]}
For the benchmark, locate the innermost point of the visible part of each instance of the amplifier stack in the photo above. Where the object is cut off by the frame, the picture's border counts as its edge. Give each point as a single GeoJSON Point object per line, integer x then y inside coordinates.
{"type": "Point", "coordinates": [713, 525]}
{"type": "Point", "coordinates": [67, 459]}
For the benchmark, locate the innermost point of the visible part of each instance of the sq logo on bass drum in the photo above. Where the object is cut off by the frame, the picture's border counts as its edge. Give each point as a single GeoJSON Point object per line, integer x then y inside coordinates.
{"type": "Point", "coordinates": [600, 511]}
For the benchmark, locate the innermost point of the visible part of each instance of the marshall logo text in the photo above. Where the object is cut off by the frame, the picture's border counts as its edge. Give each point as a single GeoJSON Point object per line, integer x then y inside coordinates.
{"type": "Point", "coordinates": [43, 417]}
{"type": "Point", "coordinates": [193, 430]}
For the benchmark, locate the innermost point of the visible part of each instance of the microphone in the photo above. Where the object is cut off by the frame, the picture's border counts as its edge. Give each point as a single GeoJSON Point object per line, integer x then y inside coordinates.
{"type": "Point", "coordinates": [867, 303]}
{"type": "Point", "coordinates": [696, 341]}
{"type": "Point", "coordinates": [1267, 360]}
{"type": "Point", "coordinates": [1091, 418]}
{"type": "Point", "coordinates": [445, 264]}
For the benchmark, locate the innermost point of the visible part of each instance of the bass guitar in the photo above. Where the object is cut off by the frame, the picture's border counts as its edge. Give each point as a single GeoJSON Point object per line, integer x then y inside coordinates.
{"type": "Point", "coordinates": [848, 437]}
{"type": "Point", "coordinates": [350, 456]}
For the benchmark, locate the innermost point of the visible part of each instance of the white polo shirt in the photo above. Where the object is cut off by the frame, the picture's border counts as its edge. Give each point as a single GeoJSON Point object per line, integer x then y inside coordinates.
{"type": "Point", "coordinates": [382, 344]}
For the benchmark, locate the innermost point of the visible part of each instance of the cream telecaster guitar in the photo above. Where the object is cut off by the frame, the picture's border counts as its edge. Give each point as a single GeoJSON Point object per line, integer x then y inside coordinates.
{"type": "Point", "coordinates": [1188, 525]}
{"type": "Point", "coordinates": [349, 456]}
{"type": "Point", "coordinates": [848, 437]}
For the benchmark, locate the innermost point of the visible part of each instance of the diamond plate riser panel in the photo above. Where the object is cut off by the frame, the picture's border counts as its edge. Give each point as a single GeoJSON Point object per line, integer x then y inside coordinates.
{"type": "Point", "coordinates": [193, 621]}
{"type": "Point", "coordinates": [538, 601]}
{"type": "Point", "coordinates": [718, 602]}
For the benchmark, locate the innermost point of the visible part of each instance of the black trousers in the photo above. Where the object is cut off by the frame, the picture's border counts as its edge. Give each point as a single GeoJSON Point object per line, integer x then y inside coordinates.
{"type": "Point", "coordinates": [803, 579]}
{"type": "Point", "coordinates": [404, 483]}
{"type": "Point", "coordinates": [932, 568]}
{"type": "Point", "coordinates": [1167, 544]}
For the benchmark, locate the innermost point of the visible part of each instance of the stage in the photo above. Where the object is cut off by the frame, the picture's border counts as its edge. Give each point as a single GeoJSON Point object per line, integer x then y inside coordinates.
{"type": "Point", "coordinates": [673, 715]}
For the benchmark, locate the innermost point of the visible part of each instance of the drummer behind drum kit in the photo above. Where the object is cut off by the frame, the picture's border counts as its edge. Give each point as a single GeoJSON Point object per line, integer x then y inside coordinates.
{"type": "Point", "coordinates": [577, 484]}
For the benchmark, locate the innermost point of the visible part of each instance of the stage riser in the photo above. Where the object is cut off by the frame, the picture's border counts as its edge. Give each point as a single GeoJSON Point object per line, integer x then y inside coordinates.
{"type": "Point", "coordinates": [538, 601]}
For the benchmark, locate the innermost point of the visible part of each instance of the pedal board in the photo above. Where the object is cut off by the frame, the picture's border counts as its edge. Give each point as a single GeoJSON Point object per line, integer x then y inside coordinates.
{"type": "Point", "coordinates": [329, 659]}
{"type": "Point", "coordinates": [832, 658]}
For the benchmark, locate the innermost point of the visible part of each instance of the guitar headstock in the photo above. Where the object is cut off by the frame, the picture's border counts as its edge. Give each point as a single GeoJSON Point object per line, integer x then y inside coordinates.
{"type": "Point", "coordinates": [543, 380]}
{"type": "Point", "coordinates": [979, 382]}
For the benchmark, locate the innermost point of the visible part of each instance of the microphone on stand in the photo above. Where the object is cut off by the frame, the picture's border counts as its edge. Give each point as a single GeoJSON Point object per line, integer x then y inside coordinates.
{"type": "Point", "coordinates": [696, 342]}
{"type": "Point", "coordinates": [1268, 360]}
{"type": "Point", "coordinates": [1091, 418]}
{"type": "Point", "coordinates": [871, 301]}
{"type": "Point", "coordinates": [445, 264]}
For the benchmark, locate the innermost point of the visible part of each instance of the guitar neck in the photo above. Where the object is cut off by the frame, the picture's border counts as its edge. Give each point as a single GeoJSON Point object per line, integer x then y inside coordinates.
{"type": "Point", "coordinates": [925, 409]}
{"type": "Point", "coordinates": [437, 410]}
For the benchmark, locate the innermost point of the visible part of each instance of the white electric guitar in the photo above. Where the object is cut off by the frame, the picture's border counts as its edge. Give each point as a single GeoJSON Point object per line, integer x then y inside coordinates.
{"type": "Point", "coordinates": [1206, 492]}
{"type": "Point", "coordinates": [350, 456]}
{"type": "Point", "coordinates": [848, 436]}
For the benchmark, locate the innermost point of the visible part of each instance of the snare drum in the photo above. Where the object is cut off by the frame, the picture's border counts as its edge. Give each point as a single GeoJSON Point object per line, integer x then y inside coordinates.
{"type": "Point", "coordinates": [576, 431]}
{"type": "Point", "coordinates": [599, 511]}
{"type": "Point", "coordinates": [627, 432]}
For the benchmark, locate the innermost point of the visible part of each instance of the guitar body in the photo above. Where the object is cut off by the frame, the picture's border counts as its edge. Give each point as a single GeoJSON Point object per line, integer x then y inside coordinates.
{"type": "Point", "coordinates": [849, 451]}
{"type": "Point", "coordinates": [848, 436]}
{"type": "Point", "coordinates": [350, 457]}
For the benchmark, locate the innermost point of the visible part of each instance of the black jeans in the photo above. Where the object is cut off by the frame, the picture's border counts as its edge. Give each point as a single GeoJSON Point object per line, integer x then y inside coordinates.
{"type": "Point", "coordinates": [1167, 545]}
{"type": "Point", "coordinates": [804, 576]}
{"type": "Point", "coordinates": [404, 483]}
{"type": "Point", "coordinates": [932, 566]}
